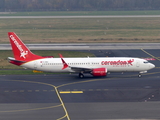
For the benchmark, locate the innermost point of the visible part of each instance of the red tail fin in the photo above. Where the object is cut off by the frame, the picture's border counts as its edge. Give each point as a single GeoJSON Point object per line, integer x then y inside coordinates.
{"type": "Point", "coordinates": [20, 50]}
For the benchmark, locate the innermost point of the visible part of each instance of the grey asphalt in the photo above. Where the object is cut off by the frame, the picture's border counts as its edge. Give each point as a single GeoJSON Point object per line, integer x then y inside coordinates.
{"type": "Point", "coordinates": [117, 96]}
{"type": "Point", "coordinates": [100, 16]}
{"type": "Point", "coordinates": [87, 46]}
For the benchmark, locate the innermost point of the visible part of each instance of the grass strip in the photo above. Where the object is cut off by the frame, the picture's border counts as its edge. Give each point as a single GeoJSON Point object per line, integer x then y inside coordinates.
{"type": "Point", "coordinates": [80, 13]}
{"type": "Point", "coordinates": [95, 30]}
{"type": "Point", "coordinates": [24, 72]}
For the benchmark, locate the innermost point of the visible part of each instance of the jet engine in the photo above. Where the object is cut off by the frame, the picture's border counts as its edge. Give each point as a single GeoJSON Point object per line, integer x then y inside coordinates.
{"type": "Point", "coordinates": [99, 72]}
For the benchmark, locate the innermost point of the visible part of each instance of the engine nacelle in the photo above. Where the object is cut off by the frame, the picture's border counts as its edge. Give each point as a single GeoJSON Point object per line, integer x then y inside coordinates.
{"type": "Point", "coordinates": [99, 72]}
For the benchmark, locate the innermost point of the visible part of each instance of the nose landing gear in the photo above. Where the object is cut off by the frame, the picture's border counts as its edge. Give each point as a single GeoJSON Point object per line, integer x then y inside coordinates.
{"type": "Point", "coordinates": [139, 75]}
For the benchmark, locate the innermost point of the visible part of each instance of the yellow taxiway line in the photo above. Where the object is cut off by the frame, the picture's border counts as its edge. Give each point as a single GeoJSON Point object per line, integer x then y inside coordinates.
{"type": "Point", "coordinates": [150, 55]}
{"type": "Point", "coordinates": [67, 92]}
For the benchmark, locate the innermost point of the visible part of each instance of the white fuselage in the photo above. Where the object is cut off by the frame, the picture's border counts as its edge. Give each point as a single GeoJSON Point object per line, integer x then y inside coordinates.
{"type": "Point", "coordinates": [112, 64]}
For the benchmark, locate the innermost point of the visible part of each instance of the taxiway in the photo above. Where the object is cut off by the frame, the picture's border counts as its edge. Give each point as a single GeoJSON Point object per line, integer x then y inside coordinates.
{"type": "Point", "coordinates": [65, 96]}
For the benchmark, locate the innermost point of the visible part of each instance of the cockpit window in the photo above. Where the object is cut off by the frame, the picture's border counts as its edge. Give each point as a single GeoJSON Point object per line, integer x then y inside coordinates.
{"type": "Point", "coordinates": [145, 62]}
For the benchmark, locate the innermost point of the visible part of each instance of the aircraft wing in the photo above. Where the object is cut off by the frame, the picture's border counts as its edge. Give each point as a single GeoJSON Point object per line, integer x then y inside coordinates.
{"type": "Point", "coordinates": [81, 69]}
{"type": "Point", "coordinates": [75, 69]}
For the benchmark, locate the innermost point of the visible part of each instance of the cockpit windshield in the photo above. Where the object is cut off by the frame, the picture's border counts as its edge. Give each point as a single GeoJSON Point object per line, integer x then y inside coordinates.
{"type": "Point", "coordinates": [145, 62]}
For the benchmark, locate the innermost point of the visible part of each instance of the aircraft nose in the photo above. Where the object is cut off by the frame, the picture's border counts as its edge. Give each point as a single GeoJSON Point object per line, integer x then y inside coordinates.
{"type": "Point", "coordinates": [152, 66]}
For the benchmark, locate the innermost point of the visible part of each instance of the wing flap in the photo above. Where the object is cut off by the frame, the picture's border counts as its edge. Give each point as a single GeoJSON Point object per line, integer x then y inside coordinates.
{"type": "Point", "coordinates": [81, 69]}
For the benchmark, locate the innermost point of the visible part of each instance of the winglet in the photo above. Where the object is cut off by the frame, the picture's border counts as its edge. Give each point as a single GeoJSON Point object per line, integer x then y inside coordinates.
{"type": "Point", "coordinates": [60, 55]}
{"type": "Point", "coordinates": [65, 65]}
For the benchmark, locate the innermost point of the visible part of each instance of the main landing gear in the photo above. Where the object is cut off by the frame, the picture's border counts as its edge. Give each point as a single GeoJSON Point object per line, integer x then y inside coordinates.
{"type": "Point", "coordinates": [139, 75]}
{"type": "Point", "coordinates": [81, 75]}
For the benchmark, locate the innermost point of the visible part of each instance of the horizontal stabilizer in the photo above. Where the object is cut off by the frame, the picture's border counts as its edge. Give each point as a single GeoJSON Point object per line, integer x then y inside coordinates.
{"type": "Point", "coordinates": [15, 62]}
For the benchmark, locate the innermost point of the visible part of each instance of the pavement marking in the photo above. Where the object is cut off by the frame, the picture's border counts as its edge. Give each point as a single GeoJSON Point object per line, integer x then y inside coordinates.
{"type": "Point", "coordinates": [76, 91]}
{"type": "Point", "coordinates": [32, 109]}
{"type": "Point", "coordinates": [157, 67]}
{"type": "Point", "coordinates": [64, 92]}
{"type": "Point", "coordinates": [67, 92]}
{"type": "Point", "coordinates": [60, 91]}
{"type": "Point", "coordinates": [151, 73]}
{"type": "Point", "coordinates": [56, 89]}
{"type": "Point", "coordinates": [29, 90]}
{"type": "Point", "coordinates": [36, 90]}
{"type": "Point", "coordinates": [44, 90]}
{"type": "Point", "coordinates": [90, 90]}
{"type": "Point", "coordinates": [21, 91]}
{"type": "Point", "coordinates": [98, 89]}
{"type": "Point", "coordinates": [14, 91]}
{"type": "Point", "coordinates": [150, 54]}
{"type": "Point", "coordinates": [105, 89]}
{"type": "Point", "coordinates": [62, 117]}
{"type": "Point", "coordinates": [80, 91]}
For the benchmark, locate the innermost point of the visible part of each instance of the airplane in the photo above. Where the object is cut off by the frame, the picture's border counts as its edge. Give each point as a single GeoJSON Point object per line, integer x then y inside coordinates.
{"type": "Point", "coordinates": [96, 66]}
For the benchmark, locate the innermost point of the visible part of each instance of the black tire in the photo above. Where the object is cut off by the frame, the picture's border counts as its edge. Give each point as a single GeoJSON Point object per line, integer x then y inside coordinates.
{"type": "Point", "coordinates": [139, 75]}
{"type": "Point", "coordinates": [81, 75]}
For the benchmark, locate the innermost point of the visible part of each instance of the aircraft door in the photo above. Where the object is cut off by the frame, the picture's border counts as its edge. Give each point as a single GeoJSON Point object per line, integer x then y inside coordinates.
{"type": "Point", "coordinates": [137, 63]}
{"type": "Point", "coordinates": [35, 65]}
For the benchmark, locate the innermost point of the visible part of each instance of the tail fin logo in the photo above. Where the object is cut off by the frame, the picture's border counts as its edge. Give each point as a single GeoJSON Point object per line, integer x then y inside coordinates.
{"type": "Point", "coordinates": [22, 52]}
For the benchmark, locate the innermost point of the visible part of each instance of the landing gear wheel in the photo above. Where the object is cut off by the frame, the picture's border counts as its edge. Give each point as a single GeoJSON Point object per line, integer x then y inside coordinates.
{"type": "Point", "coordinates": [139, 75]}
{"type": "Point", "coordinates": [81, 75]}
